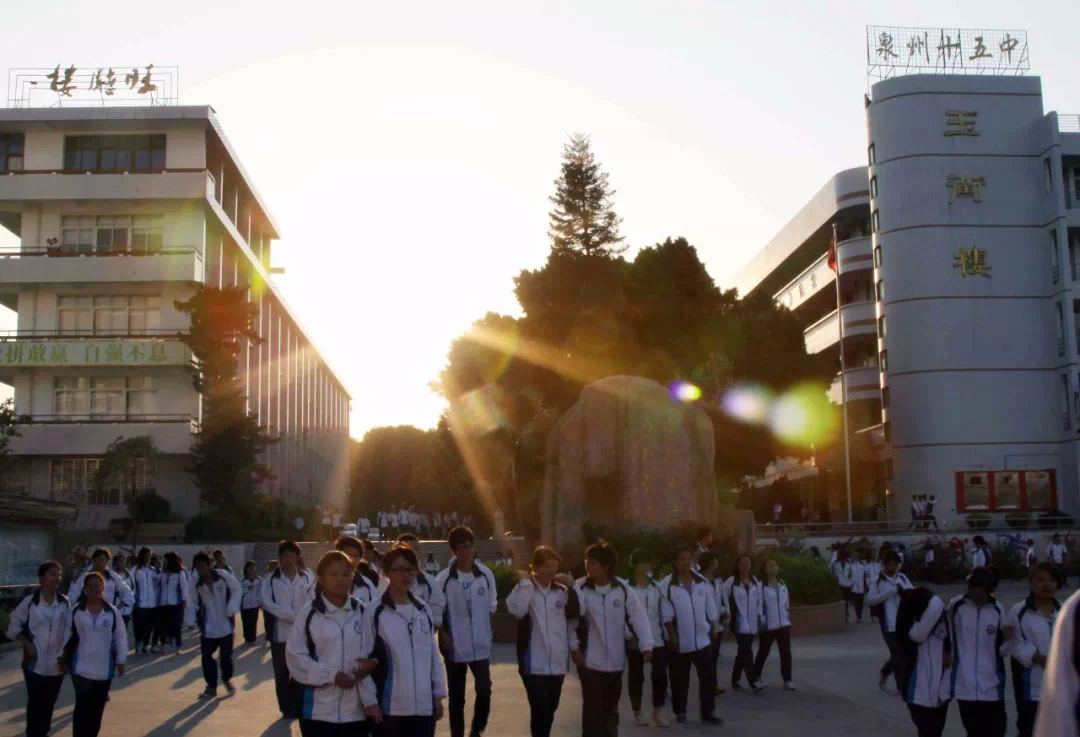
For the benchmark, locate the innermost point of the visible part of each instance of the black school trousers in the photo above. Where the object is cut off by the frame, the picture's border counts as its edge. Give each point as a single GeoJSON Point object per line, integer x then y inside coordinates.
{"type": "Point", "coordinates": [744, 659]}
{"type": "Point", "coordinates": [90, 698]}
{"type": "Point", "coordinates": [600, 694]}
{"type": "Point", "coordinates": [680, 681]}
{"type": "Point", "coordinates": [41, 693]}
{"type": "Point", "coordinates": [456, 674]}
{"type": "Point", "coordinates": [407, 727]}
{"type": "Point", "coordinates": [895, 663]}
{"type": "Point", "coordinates": [543, 693]}
{"type": "Point", "coordinates": [782, 638]}
{"type": "Point", "coordinates": [289, 692]}
{"type": "Point", "coordinates": [249, 618]}
{"type": "Point", "coordinates": [983, 718]}
{"type": "Point", "coordinates": [635, 662]}
{"type": "Point", "coordinates": [209, 667]}
{"type": "Point", "coordinates": [317, 728]}
{"type": "Point", "coordinates": [928, 721]}
{"type": "Point", "coordinates": [143, 617]}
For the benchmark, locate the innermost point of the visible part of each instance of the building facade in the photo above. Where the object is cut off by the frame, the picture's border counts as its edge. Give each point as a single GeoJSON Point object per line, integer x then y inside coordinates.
{"type": "Point", "coordinates": [120, 212]}
{"type": "Point", "coordinates": [958, 301]}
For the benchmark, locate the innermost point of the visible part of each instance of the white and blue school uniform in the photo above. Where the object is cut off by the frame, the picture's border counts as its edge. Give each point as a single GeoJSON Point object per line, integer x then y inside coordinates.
{"type": "Point", "coordinates": [776, 627]}
{"type": "Point", "coordinates": [45, 626]}
{"type": "Point", "coordinates": [116, 593]}
{"type": "Point", "coordinates": [1033, 636]}
{"type": "Point", "coordinates": [744, 606]}
{"type": "Point", "coordinates": [427, 590]}
{"type": "Point", "coordinates": [144, 612]}
{"type": "Point", "coordinates": [215, 604]}
{"type": "Point", "coordinates": [127, 606]}
{"type": "Point", "coordinates": [1059, 692]}
{"type": "Point", "coordinates": [978, 671]}
{"type": "Point", "coordinates": [471, 599]}
{"type": "Point", "coordinates": [929, 683]}
{"type": "Point", "coordinates": [410, 674]}
{"type": "Point", "coordinates": [324, 641]}
{"type": "Point", "coordinates": [691, 612]}
{"type": "Point", "coordinates": [885, 593]}
{"type": "Point", "coordinates": [249, 606]}
{"type": "Point", "coordinates": [282, 598]}
{"type": "Point", "coordinates": [547, 629]}
{"type": "Point", "coordinates": [650, 596]}
{"type": "Point", "coordinates": [94, 644]}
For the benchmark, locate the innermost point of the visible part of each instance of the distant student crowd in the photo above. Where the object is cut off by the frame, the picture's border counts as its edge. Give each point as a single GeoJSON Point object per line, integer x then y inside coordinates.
{"type": "Point", "coordinates": [407, 520]}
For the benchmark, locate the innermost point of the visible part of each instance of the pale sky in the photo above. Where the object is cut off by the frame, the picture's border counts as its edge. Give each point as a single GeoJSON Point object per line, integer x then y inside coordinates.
{"type": "Point", "coordinates": [407, 150]}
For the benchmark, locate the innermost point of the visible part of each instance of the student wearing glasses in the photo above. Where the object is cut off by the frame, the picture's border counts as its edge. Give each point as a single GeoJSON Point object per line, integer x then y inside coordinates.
{"type": "Point", "coordinates": [409, 679]}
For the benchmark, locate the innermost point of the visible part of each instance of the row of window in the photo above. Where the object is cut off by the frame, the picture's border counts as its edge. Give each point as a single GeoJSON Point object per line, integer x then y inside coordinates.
{"type": "Point", "coordinates": [105, 233]}
{"type": "Point", "coordinates": [109, 315]}
{"type": "Point", "coordinates": [11, 152]}
{"type": "Point", "coordinates": [103, 397]}
{"type": "Point", "coordinates": [76, 476]}
{"type": "Point", "coordinates": [114, 153]}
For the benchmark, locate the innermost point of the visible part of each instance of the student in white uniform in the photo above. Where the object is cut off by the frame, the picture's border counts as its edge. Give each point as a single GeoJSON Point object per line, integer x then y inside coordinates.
{"type": "Point", "coordinates": [431, 566]}
{"type": "Point", "coordinates": [117, 592]}
{"type": "Point", "coordinates": [465, 635]}
{"type": "Point", "coordinates": [1058, 554]}
{"type": "Point", "coordinates": [547, 609]}
{"type": "Point", "coordinates": [885, 596]}
{"type": "Point", "coordinates": [648, 591]}
{"type": "Point", "coordinates": [327, 655]}
{"type": "Point", "coordinates": [284, 593]}
{"type": "Point", "coordinates": [704, 543]}
{"type": "Point", "coordinates": [689, 613]}
{"type": "Point", "coordinates": [173, 596]}
{"type": "Point", "coordinates": [743, 593]}
{"type": "Point", "coordinates": [95, 649]}
{"type": "Point", "coordinates": [924, 632]}
{"type": "Point", "coordinates": [980, 556]}
{"type": "Point", "coordinates": [1027, 640]}
{"type": "Point", "coordinates": [120, 568]}
{"type": "Point", "coordinates": [409, 679]}
{"type": "Point", "coordinates": [859, 575]}
{"type": "Point", "coordinates": [1031, 557]}
{"type": "Point", "coordinates": [842, 570]}
{"type": "Point", "coordinates": [39, 623]}
{"type": "Point", "coordinates": [249, 602]}
{"type": "Point", "coordinates": [365, 579]}
{"type": "Point", "coordinates": [978, 668]}
{"type": "Point", "coordinates": [608, 607]}
{"type": "Point", "coordinates": [215, 602]}
{"type": "Point", "coordinates": [425, 587]}
{"type": "Point", "coordinates": [364, 526]}
{"type": "Point", "coordinates": [709, 567]}
{"type": "Point", "coordinates": [1060, 692]}
{"type": "Point", "coordinates": [146, 600]}
{"type": "Point", "coordinates": [776, 618]}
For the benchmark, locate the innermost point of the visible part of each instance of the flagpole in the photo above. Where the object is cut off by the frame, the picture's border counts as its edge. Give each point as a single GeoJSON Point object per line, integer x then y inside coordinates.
{"type": "Point", "coordinates": [843, 379]}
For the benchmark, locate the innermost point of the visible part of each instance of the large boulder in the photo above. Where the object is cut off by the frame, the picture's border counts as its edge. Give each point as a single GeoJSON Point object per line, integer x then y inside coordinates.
{"type": "Point", "coordinates": [627, 455]}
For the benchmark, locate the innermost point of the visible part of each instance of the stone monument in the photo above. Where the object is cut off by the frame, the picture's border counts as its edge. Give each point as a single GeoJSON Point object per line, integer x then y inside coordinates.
{"type": "Point", "coordinates": [627, 455]}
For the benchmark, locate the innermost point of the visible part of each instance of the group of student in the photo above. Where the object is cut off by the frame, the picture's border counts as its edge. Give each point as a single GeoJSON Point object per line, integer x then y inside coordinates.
{"type": "Point", "coordinates": [407, 520]}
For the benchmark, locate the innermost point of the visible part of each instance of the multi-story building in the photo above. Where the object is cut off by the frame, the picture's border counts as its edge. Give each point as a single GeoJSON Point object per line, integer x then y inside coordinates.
{"type": "Point", "coordinates": [120, 212]}
{"type": "Point", "coordinates": [958, 261]}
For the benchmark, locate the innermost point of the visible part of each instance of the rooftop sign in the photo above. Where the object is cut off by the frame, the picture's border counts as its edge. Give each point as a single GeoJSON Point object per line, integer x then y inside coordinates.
{"type": "Point", "coordinates": [68, 85]}
{"type": "Point", "coordinates": [893, 51]}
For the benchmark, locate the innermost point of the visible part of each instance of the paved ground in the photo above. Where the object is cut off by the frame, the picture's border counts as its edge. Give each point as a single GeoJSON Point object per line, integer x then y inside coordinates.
{"type": "Point", "coordinates": [836, 677]}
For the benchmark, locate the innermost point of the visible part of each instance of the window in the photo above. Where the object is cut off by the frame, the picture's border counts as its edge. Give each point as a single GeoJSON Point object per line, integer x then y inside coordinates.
{"type": "Point", "coordinates": [74, 477]}
{"type": "Point", "coordinates": [975, 491]}
{"type": "Point", "coordinates": [109, 315]}
{"type": "Point", "coordinates": [885, 397]}
{"type": "Point", "coordinates": [1038, 487]}
{"type": "Point", "coordinates": [881, 326]}
{"type": "Point", "coordinates": [1006, 490]}
{"type": "Point", "coordinates": [114, 153]}
{"type": "Point", "coordinates": [11, 152]}
{"type": "Point", "coordinates": [103, 397]}
{"type": "Point", "coordinates": [1001, 491]}
{"type": "Point", "coordinates": [871, 154]}
{"type": "Point", "coordinates": [1048, 175]}
{"type": "Point", "coordinates": [873, 187]}
{"type": "Point", "coordinates": [877, 256]}
{"type": "Point", "coordinates": [881, 291]}
{"type": "Point", "coordinates": [1055, 259]}
{"type": "Point", "coordinates": [883, 360]}
{"type": "Point", "coordinates": [111, 233]}
{"type": "Point", "coordinates": [875, 222]}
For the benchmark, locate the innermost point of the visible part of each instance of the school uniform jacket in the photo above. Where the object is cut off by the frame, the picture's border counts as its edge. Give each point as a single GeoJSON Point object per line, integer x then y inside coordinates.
{"type": "Point", "coordinates": [1033, 635]}
{"type": "Point", "coordinates": [930, 683]}
{"type": "Point", "coordinates": [858, 578]}
{"type": "Point", "coordinates": [886, 592]}
{"type": "Point", "coordinates": [842, 571]}
{"type": "Point", "coordinates": [603, 623]}
{"type": "Point", "coordinates": [980, 558]}
{"type": "Point", "coordinates": [547, 626]}
{"type": "Point", "coordinates": [775, 606]}
{"type": "Point", "coordinates": [744, 603]}
{"type": "Point", "coordinates": [410, 674]}
{"type": "Point", "coordinates": [650, 597]}
{"type": "Point", "coordinates": [324, 641]}
{"type": "Point", "coordinates": [216, 603]}
{"type": "Point", "coordinates": [467, 616]}
{"type": "Point", "coordinates": [1056, 552]}
{"type": "Point", "coordinates": [283, 599]}
{"type": "Point", "coordinates": [249, 593]}
{"type": "Point", "coordinates": [427, 590]}
{"type": "Point", "coordinates": [117, 592]}
{"type": "Point", "coordinates": [692, 613]}
{"type": "Point", "coordinates": [173, 588]}
{"type": "Point", "coordinates": [1060, 692]}
{"type": "Point", "coordinates": [93, 646]}
{"type": "Point", "coordinates": [978, 672]}
{"type": "Point", "coordinates": [125, 607]}
{"type": "Point", "coordinates": [146, 587]}
{"type": "Point", "coordinates": [45, 626]}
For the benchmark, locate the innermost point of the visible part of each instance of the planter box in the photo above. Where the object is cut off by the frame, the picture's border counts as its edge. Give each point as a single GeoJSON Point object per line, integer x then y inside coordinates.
{"type": "Point", "coordinates": [805, 621]}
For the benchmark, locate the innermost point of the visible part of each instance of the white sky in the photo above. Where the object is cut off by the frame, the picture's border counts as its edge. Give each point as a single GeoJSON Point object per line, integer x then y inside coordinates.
{"type": "Point", "coordinates": [407, 149]}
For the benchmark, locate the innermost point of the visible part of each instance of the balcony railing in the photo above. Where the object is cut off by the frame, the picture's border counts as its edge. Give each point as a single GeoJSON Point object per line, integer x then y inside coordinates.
{"type": "Point", "coordinates": [75, 251]}
{"type": "Point", "coordinates": [1068, 123]}
{"type": "Point", "coordinates": [93, 419]}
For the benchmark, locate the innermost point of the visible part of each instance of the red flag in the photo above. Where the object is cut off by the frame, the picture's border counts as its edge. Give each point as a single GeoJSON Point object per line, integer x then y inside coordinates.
{"type": "Point", "coordinates": [831, 260]}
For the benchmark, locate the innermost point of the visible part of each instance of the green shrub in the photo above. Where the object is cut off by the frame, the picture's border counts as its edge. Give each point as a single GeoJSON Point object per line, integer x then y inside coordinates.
{"type": "Point", "coordinates": [149, 507]}
{"type": "Point", "coordinates": [506, 578]}
{"type": "Point", "coordinates": [1018, 520]}
{"type": "Point", "coordinates": [215, 527]}
{"type": "Point", "coordinates": [808, 579]}
{"type": "Point", "coordinates": [978, 521]}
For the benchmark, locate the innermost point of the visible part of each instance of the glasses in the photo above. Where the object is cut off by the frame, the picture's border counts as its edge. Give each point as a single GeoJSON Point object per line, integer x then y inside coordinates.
{"type": "Point", "coordinates": [407, 571]}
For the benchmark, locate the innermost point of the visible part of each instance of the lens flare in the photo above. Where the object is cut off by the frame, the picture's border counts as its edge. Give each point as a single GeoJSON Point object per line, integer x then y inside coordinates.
{"type": "Point", "coordinates": [478, 412]}
{"type": "Point", "coordinates": [685, 391]}
{"type": "Point", "coordinates": [749, 404]}
{"type": "Point", "coordinates": [804, 416]}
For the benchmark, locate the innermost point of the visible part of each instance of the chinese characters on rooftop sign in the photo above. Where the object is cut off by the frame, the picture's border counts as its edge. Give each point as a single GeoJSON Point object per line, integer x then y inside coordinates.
{"type": "Point", "coordinates": [82, 86]}
{"type": "Point", "coordinates": [892, 51]}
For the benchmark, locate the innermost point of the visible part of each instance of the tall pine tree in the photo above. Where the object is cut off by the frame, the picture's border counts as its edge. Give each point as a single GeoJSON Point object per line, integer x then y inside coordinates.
{"type": "Point", "coordinates": [584, 219]}
{"type": "Point", "coordinates": [225, 455]}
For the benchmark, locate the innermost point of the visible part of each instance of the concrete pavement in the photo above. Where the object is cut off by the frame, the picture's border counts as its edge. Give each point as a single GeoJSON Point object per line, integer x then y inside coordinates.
{"type": "Point", "coordinates": [836, 676]}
